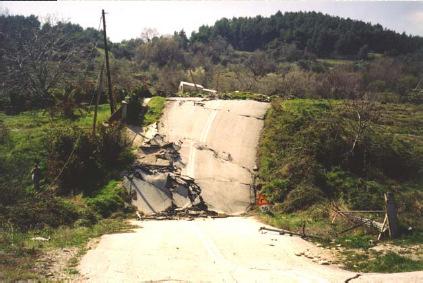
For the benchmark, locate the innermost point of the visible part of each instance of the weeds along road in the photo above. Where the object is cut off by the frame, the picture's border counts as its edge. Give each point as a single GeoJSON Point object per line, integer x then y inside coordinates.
{"type": "Point", "coordinates": [219, 140]}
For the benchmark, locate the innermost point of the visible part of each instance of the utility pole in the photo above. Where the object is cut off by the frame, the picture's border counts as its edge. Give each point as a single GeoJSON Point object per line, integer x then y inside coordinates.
{"type": "Point", "coordinates": [109, 80]}
{"type": "Point", "coordinates": [99, 91]}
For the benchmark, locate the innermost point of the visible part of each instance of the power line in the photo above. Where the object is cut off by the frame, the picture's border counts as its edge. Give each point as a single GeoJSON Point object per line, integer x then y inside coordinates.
{"type": "Point", "coordinates": [80, 134]}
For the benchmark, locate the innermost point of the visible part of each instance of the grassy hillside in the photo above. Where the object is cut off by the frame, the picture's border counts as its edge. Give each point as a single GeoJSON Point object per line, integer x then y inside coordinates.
{"type": "Point", "coordinates": [311, 156]}
{"type": "Point", "coordinates": [307, 155]}
{"type": "Point", "coordinates": [24, 141]}
{"type": "Point", "coordinates": [70, 211]}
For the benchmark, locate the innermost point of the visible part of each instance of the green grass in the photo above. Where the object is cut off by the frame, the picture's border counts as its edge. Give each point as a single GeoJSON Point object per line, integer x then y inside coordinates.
{"type": "Point", "coordinates": [19, 253]}
{"type": "Point", "coordinates": [304, 167]}
{"type": "Point", "coordinates": [108, 200]}
{"type": "Point", "coordinates": [387, 263]}
{"type": "Point", "coordinates": [242, 95]}
{"type": "Point", "coordinates": [154, 110]}
{"type": "Point", "coordinates": [25, 144]}
{"type": "Point", "coordinates": [304, 160]}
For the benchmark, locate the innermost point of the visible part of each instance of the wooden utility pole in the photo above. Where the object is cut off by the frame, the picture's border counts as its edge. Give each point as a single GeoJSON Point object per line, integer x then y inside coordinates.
{"type": "Point", "coordinates": [109, 80]}
{"type": "Point", "coordinates": [391, 215]}
{"type": "Point", "coordinates": [97, 100]}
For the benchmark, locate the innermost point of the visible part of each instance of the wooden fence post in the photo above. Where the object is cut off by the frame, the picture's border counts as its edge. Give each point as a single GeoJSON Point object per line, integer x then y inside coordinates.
{"type": "Point", "coordinates": [391, 213]}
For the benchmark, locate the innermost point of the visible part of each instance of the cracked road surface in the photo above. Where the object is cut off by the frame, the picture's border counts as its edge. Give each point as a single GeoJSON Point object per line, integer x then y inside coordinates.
{"type": "Point", "coordinates": [212, 250]}
{"type": "Point", "coordinates": [219, 140]}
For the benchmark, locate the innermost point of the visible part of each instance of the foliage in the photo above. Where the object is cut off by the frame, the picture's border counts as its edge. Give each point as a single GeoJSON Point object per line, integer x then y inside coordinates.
{"type": "Point", "coordinates": [31, 210]}
{"type": "Point", "coordinates": [74, 152]}
{"type": "Point", "coordinates": [356, 241]}
{"type": "Point", "coordinates": [311, 31]}
{"type": "Point", "coordinates": [134, 108]}
{"type": "Point", "coordinates": [390, 262]}
{"type": "Point", "coordinates": [20, 253]}
{"type": "Point", "coordinates": [108, 200]}
{"type": "Point", "coordinates": [29, 134]}
{"type": "Point", "coordinates": [312, 151]}
{"type": "Point", "coordinates": [38, 58]}
{"type": "Point", "coordinates": [154, 110]}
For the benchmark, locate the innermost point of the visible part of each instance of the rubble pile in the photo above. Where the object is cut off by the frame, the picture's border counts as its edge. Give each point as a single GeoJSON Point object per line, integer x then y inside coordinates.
{"type": "Point", "coordinates": [158, 188]}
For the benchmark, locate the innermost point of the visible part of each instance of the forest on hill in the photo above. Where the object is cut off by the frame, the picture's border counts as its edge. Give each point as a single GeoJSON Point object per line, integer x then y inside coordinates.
{"type": "Point", "coordinates": [300, 54]}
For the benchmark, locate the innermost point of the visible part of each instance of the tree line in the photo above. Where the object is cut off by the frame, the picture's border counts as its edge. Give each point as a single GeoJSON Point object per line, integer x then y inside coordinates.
{"type": "Point", "coordinates": [55, 64]}
{"type": "Point", "coordinates": [314, 32]}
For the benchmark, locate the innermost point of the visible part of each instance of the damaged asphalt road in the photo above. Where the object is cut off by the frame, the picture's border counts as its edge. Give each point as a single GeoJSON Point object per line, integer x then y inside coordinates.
{"type": "Point", "coordinates": [199, 161]}
{"type": "Point", "coordinates": [156, 184]}
{"type": "Point", "coordinates": [200, 157]}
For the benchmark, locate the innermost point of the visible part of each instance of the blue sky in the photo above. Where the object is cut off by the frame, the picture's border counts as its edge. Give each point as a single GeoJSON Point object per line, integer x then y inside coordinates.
{"type": "Point", "coordinates": [127, 19]}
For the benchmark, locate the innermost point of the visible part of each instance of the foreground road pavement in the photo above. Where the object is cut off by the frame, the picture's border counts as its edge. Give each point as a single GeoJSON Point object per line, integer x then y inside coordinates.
{"type": "Point", "coordinates": [211, 250]}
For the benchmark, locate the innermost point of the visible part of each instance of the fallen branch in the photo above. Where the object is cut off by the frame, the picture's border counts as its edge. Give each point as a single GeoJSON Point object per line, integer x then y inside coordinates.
{"type": "Point", "coordinates": [290, 233]}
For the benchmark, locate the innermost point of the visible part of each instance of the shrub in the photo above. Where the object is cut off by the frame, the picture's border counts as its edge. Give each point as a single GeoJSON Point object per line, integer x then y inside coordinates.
{"type": "Point", "coordinates": [302, 197]}
{"type": "Point", "coordinates": [86, 160]}
{"type": "Point", "coordinates": [108, 200]}
{"type": "Point", "coordinates": [134, 109]}
{"type": "Point", "coordinates": [4, 133]}
{"type": "Point", "coordinates": [36, 211]}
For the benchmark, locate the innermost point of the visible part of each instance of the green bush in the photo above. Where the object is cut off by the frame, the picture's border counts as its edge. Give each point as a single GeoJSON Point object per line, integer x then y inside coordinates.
{"type": "Point", "coordinates": [301, 198]}
{"type": "Point", "coordinates": [36, 211]}
{"type": "Point", "coordinates": [134, 109]}
{"type": "Point", "coordinates": [108, 200]}
{"type": "Point", "coordinates": [86, 160]}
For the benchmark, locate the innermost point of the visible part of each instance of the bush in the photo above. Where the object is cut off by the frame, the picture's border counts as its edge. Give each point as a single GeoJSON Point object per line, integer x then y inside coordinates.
{"type": "Point", "coordinates": [108, 200]}
{"type": "Point", "coordinates": [4, 133]}
{"type": "Point", "coordinates": [86, 160]}
{"type": "Point", "coordinates": [302, 197]}
{"type": "Point", "coordinates": [36, 211]}
{"type": "Point", "coordinates": [134, 109]}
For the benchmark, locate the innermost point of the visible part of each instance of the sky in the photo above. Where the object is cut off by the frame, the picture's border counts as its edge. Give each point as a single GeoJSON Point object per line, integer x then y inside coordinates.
{"type": "Point", "coordinates": [127, 19]}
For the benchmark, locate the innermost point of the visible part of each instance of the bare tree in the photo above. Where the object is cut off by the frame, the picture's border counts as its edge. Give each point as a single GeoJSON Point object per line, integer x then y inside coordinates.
{"type": "Point", "coordinates": [46, 60]}
{"type": "Point", "coordinates": [148, 34]}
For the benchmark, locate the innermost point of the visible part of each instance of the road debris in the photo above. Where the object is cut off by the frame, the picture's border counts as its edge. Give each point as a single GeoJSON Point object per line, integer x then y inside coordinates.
{"type": "Point", "coordinates": [41, 239]}
{"type": "Point", "coordinates": [158, 189]}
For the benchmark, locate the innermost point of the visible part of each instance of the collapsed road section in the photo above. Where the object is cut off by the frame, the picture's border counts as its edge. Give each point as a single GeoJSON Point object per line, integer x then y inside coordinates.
{"type": "Point", "coordinates": [157, 186]}
{"type": "Point", "coordinates": [200, 160]}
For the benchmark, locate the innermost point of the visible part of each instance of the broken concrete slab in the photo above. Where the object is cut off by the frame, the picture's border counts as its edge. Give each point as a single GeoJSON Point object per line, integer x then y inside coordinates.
{"type": "Point", "coordinates": [149, 199]}
{"type": "Point", "coordinates": [158, 180]}
{"type": "Point", "coordinates": [181, 197]}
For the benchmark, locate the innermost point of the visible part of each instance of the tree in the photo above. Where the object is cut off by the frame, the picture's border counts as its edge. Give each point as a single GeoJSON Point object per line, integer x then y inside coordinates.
{"type": "Point", "coordinates": [148, 34]}
{"type": "Point", "coordinates": [43, 60]}
{"type": "Point", "coordinates": [363, 53]}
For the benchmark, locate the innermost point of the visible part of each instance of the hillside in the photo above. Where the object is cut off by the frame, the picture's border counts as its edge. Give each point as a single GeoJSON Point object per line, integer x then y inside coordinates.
{"type": "Point", "coordinates": [313, 32]}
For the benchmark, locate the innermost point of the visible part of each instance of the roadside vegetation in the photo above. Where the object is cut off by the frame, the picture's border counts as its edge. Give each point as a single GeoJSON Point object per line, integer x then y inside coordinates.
{"type": "Point", "coordinates": [78, 190]}
{"type": "Point", "coordinates": [315, 153]}
{"type": "Point", "coordinates": [21, 250]}
{"type": "Point", "coordinates": [154, 110]}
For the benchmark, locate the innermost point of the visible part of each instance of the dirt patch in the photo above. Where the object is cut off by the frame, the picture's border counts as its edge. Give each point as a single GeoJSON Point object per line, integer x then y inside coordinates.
{"type": "Point", "coordinates": [55, 264]}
